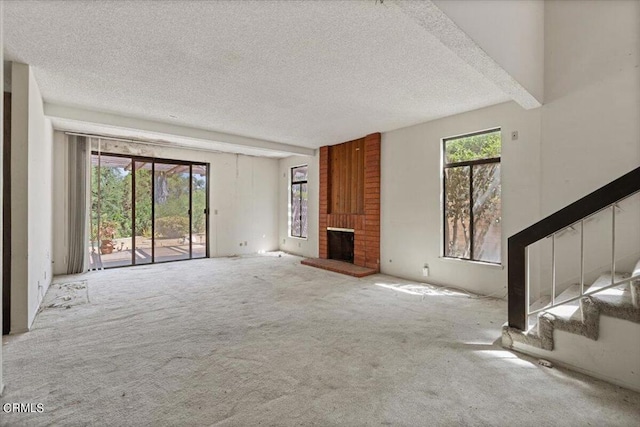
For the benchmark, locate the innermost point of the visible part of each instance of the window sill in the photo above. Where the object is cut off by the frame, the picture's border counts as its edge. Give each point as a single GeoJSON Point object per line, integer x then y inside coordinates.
{"type": "Point", "coordinates": [468, 261]}
{"type": "Point", "coordinates": [298, 238]}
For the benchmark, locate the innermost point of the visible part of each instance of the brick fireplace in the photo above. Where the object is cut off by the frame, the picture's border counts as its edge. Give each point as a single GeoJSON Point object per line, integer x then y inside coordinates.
{"type": "Point", "coordinates": [350, 197]}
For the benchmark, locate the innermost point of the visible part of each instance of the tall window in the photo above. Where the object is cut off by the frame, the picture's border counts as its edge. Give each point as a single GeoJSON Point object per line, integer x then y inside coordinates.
{"type": "Point", "coordinates": [299, 201]}
{"type": "Point", "coordinates": [472, 206]}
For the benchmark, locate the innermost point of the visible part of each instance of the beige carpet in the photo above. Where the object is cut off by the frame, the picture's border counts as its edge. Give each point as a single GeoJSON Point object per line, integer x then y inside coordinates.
{"type": "Point", "coordinates": [264, 340]}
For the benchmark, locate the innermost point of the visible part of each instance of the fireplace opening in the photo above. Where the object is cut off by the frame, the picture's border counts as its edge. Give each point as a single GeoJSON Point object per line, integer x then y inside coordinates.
{"type": "Point", "coordinates": [340, 244]}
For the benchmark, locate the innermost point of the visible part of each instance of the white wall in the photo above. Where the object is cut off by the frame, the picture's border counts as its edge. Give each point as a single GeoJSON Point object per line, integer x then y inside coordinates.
{"type": "Point", "coordinates": [304, 247]}
{"type": "Point", "coordinates": [243, 197]}
{"type": "Point", "coordinates": [31, 199]}
{"type": "Point", "coordinates": [614, 357]}
{"type": "Point", "coordinates": [245, 194]}
{"type": "Point", "coordinates": [586, 135]}
{"type": "Point", "coordinates": [590, 128]}
{"type": "Point", "coordinates": [40, 199]}
{"type": "Point", "coordinates": [511, 32]}
{"type": "Point", "coordinates": [411, 216]}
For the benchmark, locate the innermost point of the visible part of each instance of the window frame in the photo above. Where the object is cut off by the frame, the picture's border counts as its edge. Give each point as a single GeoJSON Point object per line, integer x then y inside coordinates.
{"type": "Point", "coordinates": [470, 164]}
{"type": "Point", "coordinates": [291, 197]}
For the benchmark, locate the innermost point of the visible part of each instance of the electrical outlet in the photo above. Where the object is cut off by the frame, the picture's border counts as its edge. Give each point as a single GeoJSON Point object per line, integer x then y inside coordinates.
{"type": "Point", "coordinates": [514, 135]}
{"type": "Point", "coordinates": [240, 243]}
{"type": "Point", "coordinates": [215, 211]}
{"type": "Point", "coordinates": [284, 241]}
{"type": "Point", "coordinates": [425, 270]}
{"type": "Point", "coordinates": [245, 243]}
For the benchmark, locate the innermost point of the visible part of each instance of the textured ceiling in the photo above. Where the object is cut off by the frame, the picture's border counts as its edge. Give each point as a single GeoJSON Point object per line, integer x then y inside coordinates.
{"type": "Point", "coordinates": [306, 73]}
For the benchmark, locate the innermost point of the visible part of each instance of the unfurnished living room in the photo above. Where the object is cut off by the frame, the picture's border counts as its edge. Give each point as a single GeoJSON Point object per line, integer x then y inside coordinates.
{"type": "Point", "coordinates": [330, 213]}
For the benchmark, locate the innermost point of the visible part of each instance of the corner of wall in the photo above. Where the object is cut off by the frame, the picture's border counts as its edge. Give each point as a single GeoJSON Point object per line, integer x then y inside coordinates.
{"type": "Point", "coordinates": [31, 201]}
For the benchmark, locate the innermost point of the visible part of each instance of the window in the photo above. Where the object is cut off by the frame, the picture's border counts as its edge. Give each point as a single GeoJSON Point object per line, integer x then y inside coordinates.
{"type": "Point", "coordinates": [299, 201]}
{"type": "Point", "coordinates": [146, 210]}
{"type": "Point", "coordinates": [472, 207]}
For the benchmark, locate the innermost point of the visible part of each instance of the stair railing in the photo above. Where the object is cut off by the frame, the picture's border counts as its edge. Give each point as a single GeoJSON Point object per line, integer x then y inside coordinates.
{"type": "Point", "coordinates": [575, 214]}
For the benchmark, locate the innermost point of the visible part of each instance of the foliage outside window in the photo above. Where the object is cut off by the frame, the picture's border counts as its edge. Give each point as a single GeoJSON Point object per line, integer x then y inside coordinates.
{"type": "Point", "coordinates": [299, 201]}
{"type": "Point", "coordinates": [113, 196]}
{"type": "Point", "coordinates": [172, 201]}
{"type": "Point", "coordinates": [472, 203]}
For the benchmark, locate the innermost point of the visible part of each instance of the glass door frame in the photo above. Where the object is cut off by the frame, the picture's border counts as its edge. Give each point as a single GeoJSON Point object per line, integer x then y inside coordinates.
{"type": "Point", "coordinates": [153, 161]}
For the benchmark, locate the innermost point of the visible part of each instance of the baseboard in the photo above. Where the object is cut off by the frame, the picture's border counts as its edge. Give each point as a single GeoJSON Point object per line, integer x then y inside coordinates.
{"type": "Point", "coordinates": [569, 366]}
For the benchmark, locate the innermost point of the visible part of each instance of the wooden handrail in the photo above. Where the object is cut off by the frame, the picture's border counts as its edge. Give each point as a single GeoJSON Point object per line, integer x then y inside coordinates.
{"type": "Point", "coordinates": [599, 199]}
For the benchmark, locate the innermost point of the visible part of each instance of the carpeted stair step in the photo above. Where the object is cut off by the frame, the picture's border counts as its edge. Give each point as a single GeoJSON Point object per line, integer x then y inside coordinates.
{"type": "Point", "coordinates": [620, 302]}
{"type": "Point", "coordinates": [569, 310]}
{"type": "Point", "coordinates": [572, 309]}
{"type": "Point", "coordinates": [534, 334]}
{"type": "Point", "coordinates": [619, 294]}
{"type": "Point", "coordinates": [582, 316]}
{"type": "Point", "coordinates": [613, 302]}
{"type": "Point", "coordinates": [542, 302]}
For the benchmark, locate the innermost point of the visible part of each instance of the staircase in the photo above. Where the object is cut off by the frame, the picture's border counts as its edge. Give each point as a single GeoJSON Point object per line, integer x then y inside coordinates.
{"type": "Point", "coordinates": [615, 357]}
{"type": "Point", "coordinates": [592, 327]}
{"type": "Point", "coordinates": [580, 316]}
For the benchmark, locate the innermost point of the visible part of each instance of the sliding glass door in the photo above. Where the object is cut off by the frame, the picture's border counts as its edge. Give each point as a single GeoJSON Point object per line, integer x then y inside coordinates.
{"type": "Point", "coordinates": [199, 186]}
{"type": "Point", "coordinates": [111, 211]}
{"type": "Point", "coordinates": [147, 210]}
{"type": "Point", "coordinates": [143, 224]}
{"type": "Point", "coordinates": [171, 211]}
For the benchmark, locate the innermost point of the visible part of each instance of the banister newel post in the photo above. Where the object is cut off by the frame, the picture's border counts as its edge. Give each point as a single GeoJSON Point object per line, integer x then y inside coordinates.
{"type": "Point", "coordinates": [516, 276]}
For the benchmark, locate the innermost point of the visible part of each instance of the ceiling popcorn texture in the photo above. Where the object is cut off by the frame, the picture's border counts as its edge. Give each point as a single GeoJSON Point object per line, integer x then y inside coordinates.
{"type": "Point", "coordinates": [440, 25]}
{"type": "Point", "coordinates": [294, 72]}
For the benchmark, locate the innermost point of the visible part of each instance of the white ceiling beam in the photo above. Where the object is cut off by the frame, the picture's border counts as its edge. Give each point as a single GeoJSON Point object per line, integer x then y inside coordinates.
{"type": "Point", "coordinates": [122, 122]}
{"type": "Point", "coordinates": [436, 22]}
